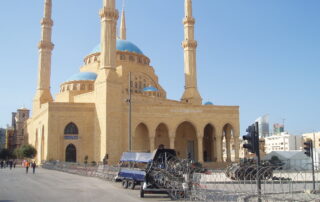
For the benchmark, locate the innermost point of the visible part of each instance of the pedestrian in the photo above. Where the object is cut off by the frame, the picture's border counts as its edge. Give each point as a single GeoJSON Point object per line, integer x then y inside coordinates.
{"type": "Point", "coordinates": [1, 164]}
{"type": "Point", "coordinates": [11, 164]}
{"type": "Point", "coordinates": [33, 165]}
{"type": "Point", "coordinates": [14, 164]}
{"type": "Point", "coordinates": [27, 165]}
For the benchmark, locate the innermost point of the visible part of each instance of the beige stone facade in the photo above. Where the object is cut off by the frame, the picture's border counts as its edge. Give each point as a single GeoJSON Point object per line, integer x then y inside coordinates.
{"type": "Point", "coordinates": [90, 115]}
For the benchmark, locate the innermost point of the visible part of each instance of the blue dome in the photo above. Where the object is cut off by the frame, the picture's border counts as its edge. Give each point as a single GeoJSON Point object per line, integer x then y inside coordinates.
{"type": "Point", "coordinates": [122, 45]}
{"type": "Point", "coordinates": [208, 103]}
{"type": "Point", "coordinates": [150, 89]}
{"type": "Point", "coordinates": [83, 76]}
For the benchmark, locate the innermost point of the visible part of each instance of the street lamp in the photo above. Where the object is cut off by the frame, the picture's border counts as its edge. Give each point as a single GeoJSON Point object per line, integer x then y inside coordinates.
{"type": "Point", "coordinates": [129, 100]}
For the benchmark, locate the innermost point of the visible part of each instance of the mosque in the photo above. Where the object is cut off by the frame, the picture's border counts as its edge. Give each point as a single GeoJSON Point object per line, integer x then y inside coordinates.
{"type": "Point", "coordinates": [116, 104]}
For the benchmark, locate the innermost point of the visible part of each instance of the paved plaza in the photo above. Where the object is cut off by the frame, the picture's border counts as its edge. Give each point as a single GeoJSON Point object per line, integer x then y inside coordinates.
{"type": "Point", "coordinates": [48, 185]}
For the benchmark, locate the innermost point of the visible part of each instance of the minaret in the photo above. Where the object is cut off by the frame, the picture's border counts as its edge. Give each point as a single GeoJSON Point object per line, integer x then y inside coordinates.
{"type": "Point", "coordinates": [123, 29]}
{"type": "Point", "coordinates": [109, 16]}
{"type": "Point", "coordinates": [43, 94]}
{"type": "Point", "coordinates": [108, 97]}
{"type": "Point", "coordinates": [191, 94]}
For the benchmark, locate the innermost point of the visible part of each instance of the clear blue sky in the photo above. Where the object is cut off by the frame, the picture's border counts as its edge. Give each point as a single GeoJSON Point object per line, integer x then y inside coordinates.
{"type": "Point", "coordinates": [260, 55]}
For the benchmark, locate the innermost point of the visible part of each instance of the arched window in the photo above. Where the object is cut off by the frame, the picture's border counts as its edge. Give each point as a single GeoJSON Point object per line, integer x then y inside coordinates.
{"type": "Point", "coordinates": [71, 128]}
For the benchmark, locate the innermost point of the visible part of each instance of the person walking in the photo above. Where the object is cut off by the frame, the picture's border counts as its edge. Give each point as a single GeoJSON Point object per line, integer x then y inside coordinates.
{"type": "Point", "coordinates": [34, 165]}
{"type": "Point", "coordinates": [10, 164]}
{"type": "Point", "coordinates": [27, 165]}
{"type": "Point", "coordinates": [1, 163]}
{"type": "Point", "coordinates": [14, 163]}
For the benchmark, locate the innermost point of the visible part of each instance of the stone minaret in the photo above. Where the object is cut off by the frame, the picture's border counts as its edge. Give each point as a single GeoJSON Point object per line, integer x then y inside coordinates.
{"type": "Point", "coordinates": [191, 94]}
{"type": "Point", "coordinates": [108, 97]}
{"type": "Point", "coordinates": [123, 29]}
{"type": "Point", "coordinates": [43, 94]}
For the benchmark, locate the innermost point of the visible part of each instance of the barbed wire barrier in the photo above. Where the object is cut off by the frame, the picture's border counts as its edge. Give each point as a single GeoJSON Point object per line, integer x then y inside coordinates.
{"type": "Point", "coordinates": [104, 172]}
{"type": "Point", "coordinates": [239, 183]}
{"type": "Point", "coordinates": [236, 183]}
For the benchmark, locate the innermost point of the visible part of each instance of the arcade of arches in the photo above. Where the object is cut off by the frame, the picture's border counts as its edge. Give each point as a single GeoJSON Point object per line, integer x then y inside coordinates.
{"type": "Point", "coordinates": [207, 145]}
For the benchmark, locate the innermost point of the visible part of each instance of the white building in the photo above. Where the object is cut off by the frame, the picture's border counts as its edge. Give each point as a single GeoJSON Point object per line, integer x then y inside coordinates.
{"type": "Point", "coordinates": [263, 122]}
{"type": "Point", "coordinates": [292, 160]}
{"type": "Point", "coordinates": [283, 142]}
{"type": "Point", "coordinates": [315, 137]}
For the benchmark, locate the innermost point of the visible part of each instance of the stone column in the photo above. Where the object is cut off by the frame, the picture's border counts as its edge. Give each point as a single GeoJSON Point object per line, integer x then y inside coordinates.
{"type": "Point", "coordinates": [152, 143]}
{"type": "Point", "coordinates": [218, 144]}
{"type": "Point", "coordinates": [228, 147]}
{"type": "Point", "coordinates": [214, 149]}
{"type": "Point", "coordinates": [172, 146]}
{"type": "Point", "coordinates": [200, 149]}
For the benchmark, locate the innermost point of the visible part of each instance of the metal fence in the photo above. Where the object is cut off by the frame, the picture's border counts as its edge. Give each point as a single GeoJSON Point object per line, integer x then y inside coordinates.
{"type": "Point", "coordinates": [276, 185]}
{"type": "Point", "coordinates": [220, 185]}
{"type": "Point", "coordinates": [105, 172]}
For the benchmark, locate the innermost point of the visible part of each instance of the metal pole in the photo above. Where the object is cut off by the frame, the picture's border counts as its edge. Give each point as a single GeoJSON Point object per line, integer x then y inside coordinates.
{"type": "Point", "coordinates": [313, 178]}
{"type": "Point", "coordinates": [129, 114]}
{"type": "Point", "coordinates": [257, 143]}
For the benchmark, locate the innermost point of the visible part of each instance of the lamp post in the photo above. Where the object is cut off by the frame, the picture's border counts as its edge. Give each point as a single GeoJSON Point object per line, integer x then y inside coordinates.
{"type": "Point", "coordinates": [129, 100]}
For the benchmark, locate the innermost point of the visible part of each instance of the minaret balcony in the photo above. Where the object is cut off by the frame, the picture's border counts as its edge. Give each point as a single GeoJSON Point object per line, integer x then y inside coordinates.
{"type": "Point", "coordinates": [189, 20]}
{"type": "Point", "coordinates": [109, 13]}
{"type": "Point", "coordinates": [189, 44]}
{"type": "Point", "coordinates": [47, 22]}
{"type": "Point", "coordinates": [46, 45]}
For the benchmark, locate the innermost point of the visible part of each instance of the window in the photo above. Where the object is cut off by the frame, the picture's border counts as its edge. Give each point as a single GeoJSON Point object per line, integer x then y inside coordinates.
{"type": "Point", "coordinates": [122, 57]}
{"type": "Point", "coordinates": [71, 128]}
{"type": "Point", "coordinates": [82, 87]}
{"type": "Point", "coordinates": [90, 87]}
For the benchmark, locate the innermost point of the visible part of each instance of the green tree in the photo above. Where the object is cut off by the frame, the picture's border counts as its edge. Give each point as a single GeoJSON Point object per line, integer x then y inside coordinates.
{"type": "Point", "coordinates": [28, 151]}
{"type": "Point", "coordinates": [18, 153]}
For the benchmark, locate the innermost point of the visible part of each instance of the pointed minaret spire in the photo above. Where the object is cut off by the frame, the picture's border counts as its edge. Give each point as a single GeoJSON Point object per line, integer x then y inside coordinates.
{"type": "Point", "coordinates": [191, 94]}
{"type": "Point", "coordinates": [123, 29]}
{"type": "Point", "coordinates": [43, 94]}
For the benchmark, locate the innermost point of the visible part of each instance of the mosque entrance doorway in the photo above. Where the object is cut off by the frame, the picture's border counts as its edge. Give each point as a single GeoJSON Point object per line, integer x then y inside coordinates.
{"type": "Point", "coordinates": [71, 153]}
{"type": "Point", "coordinates": [186, 142]}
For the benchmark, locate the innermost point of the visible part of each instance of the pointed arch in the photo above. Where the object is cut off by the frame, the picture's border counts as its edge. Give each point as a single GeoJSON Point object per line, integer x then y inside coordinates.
{"type": "Point", "coordinates": [71, 128]}
{"type": "Point", "coordinates": [141, 141]}
{"type": "Point", "coordinates": [162, 136]}
{"type": "Point", "coordinates": [71, 153]}
{"type": "Point", "coordinates": [227, 142]}
{"type": "Point", "coordinates": [209, 144]}
{"type": "Point", "coordinates": [186, 141]}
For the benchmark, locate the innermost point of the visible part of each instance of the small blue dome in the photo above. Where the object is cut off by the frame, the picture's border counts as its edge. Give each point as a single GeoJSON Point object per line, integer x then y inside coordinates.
{"type": "Point", "coordinates": [208, 103]}
{"type": "Point", "coordinates": [83, 76]}
{"type": "Point", "coordinates": [122, 45]}
{"type": "Point", "coordinates": [150, 89]}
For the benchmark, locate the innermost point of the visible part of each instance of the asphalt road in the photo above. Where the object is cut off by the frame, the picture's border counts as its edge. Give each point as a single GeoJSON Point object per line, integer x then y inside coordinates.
{"type": "Point", "coordinates": [47, 185]}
